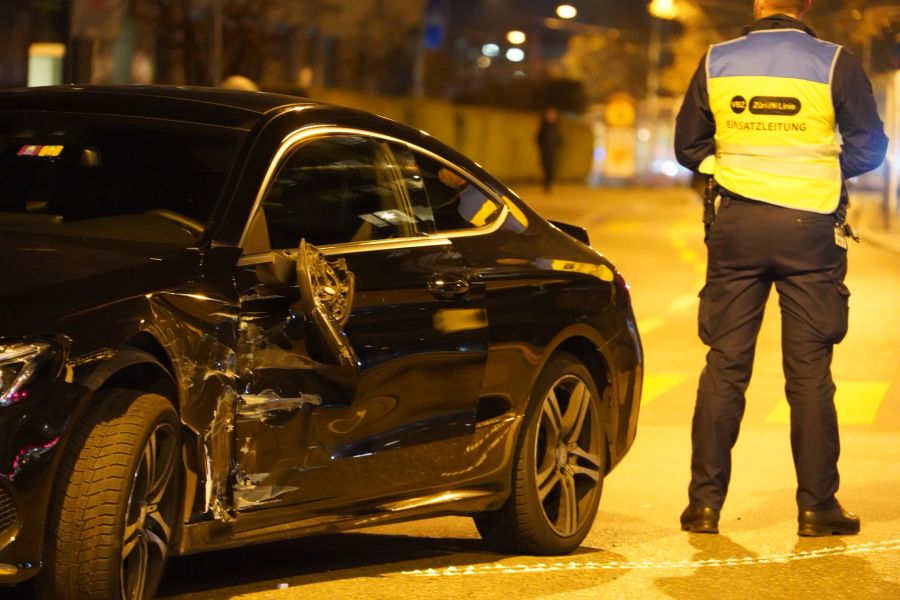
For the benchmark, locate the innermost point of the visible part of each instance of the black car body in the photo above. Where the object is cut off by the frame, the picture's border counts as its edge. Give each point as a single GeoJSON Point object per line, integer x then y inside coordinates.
{"type": "Point", "coordinates": [150, 247]}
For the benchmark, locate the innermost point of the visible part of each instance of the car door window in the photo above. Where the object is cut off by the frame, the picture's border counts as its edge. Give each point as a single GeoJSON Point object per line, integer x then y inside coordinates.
{"type": "Point", "coordinates": [454, 201]}
{"type": "Point", "coordinates": [335, 190]}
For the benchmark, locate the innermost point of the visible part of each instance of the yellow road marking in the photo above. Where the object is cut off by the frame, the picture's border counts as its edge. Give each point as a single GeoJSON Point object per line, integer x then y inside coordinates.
{"type": "Point", "coordinates": [676, 563]}
{"type": "Point", "coordinates": [645, 326]}
{"type": "Point", "coordinates": [684, 303]}
{"type": "Point", "coordinates": [857, 403]}
{"type": "Point", "coordinates": [655, 385]}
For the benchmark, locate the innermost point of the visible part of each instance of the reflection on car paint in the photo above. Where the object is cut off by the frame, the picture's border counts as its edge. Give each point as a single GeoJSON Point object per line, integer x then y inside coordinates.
{"type": "Point", "coordinates": [516, 220]}
{"type": "Point", "coordinates": [487, 437]}
{"type": "Point", "coordinates": [435, 499]}
{"type": "Point", "coordinates": [452, 320]}
{"type": "Point", "coordinates": [28, 455]}
{"type": "Point", "coordinates": [369, 412]}
{"type": "Point", "coordinates": [600, 271]}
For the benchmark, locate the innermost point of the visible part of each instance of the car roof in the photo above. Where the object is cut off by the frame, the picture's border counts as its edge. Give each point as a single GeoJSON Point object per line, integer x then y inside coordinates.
{"type": "Point", "coordinates": [209, 106]}
{"type": "Point", "coordinates": [205, 105]}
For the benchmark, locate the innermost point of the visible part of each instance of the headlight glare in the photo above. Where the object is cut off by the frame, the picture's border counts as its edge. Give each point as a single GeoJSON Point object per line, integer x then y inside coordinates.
{"type": "Point", "coordinates": [18, 364]}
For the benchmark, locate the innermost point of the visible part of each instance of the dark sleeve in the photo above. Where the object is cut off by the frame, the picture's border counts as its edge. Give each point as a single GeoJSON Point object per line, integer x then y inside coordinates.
{"type": "Point", "coordinates": [695, 127]}
{"type": "Point", "coordinates": [864, 141]}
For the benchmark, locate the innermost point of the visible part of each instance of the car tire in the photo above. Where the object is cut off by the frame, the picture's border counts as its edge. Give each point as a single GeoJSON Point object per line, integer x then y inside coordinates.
{"type": "Point", "coordinates": [560, 464]}
{"type": "Point", "coordinates": [113, 517]}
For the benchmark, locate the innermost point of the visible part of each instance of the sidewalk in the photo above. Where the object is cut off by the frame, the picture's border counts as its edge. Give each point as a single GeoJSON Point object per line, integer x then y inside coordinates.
{"type": "Point", "coordinates": [867, 216]}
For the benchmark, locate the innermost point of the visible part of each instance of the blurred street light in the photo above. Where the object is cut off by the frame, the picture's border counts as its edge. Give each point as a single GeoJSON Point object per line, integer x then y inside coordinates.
{"type": "Point", "coordinates": [516, 37]}
{"type": "Point", "coordinates": [490, 50]}
{"type": "Point", "coordinates": [663, 9]}
{"type": "Point", "coordinates": [660, 10]}
{"type": "Point", "coordinates": [515, 55]}
{"type": "Point", "coordinates": [566, 11]}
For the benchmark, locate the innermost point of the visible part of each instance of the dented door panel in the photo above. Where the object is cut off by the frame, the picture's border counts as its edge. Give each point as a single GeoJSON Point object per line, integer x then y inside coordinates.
{"type": "Point", "coordinates": [314, 426]}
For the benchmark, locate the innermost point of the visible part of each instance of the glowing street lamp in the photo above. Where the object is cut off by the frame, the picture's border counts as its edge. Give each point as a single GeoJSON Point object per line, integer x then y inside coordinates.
{"type": "Point", "coordinates": [516, 37]}
{"type": "Point", "coordinates": [566, 11]}
{"type": "Point", "coordinates": [515, 55]}
{"type": "Point", "coordinates": [664, 9]}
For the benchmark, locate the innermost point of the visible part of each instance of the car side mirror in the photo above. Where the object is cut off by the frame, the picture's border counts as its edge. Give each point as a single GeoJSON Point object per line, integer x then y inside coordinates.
{"type": "Point", "coordinates": [272, 268]}
{"type": "Point", "coordinates": [279, 270]}
{"type": "Point", "coordinates": [326, 297]}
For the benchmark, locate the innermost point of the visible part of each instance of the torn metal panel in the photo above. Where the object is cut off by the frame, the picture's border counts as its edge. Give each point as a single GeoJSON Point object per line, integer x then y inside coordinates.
{"type": "Point", "coordinates": [247, 375]}
{"type": "Point", "coordinates": [199, 340]}
{"type": "Point", "coordinates": [268, 405]}
{"type": "Point", "coordinates": [252, 490]}
{"type": "Point", "coordinates": [217, 442]}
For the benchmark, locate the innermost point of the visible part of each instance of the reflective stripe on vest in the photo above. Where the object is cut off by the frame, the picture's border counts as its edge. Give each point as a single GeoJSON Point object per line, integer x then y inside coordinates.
{"type": "Point", "coordinates": [770, 94]}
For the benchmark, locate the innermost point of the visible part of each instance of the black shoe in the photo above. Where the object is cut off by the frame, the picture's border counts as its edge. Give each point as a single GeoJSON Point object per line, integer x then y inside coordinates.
{"type": "Point", "coordinates": [834, 521]}
{"type": "Point", "coordinates": [700, 519]}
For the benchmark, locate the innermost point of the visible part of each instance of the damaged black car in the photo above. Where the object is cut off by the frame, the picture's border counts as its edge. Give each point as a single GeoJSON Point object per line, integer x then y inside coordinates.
{"type": "Point", "coordinates": [229, 318]}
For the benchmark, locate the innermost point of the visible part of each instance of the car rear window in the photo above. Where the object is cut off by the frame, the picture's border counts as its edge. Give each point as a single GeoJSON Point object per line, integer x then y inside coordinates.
{"type": "Point", "coordinates": [78, 174]}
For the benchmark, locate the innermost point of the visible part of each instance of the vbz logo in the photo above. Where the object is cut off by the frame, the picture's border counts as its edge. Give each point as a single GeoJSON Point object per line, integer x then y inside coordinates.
{"type": "Point", "coordinates": [738, 104]}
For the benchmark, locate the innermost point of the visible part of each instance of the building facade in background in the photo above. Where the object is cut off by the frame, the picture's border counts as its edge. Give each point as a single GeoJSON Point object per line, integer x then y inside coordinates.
{"type": "Point", "coordinates": [366, 45]}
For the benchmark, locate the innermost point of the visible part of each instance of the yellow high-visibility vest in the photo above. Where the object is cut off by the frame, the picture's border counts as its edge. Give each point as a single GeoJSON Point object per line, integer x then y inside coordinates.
{"type": "Point", "coordinates": [770, 94]}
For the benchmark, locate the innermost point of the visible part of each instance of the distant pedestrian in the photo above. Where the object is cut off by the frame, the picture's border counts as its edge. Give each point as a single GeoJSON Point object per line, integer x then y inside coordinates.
{"type": "Point", "coordinates": [549, 141]}
{"type": "Point", "coordinates": [760, 114]}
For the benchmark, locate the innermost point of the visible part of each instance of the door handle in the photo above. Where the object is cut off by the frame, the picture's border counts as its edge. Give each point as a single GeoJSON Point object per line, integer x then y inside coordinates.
{"type": "Point", "coordinates": [448, 287]}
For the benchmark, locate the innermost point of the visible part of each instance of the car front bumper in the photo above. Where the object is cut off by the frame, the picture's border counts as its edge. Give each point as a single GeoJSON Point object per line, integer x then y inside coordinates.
{"type": "Point", "coordinates": [32, 435]}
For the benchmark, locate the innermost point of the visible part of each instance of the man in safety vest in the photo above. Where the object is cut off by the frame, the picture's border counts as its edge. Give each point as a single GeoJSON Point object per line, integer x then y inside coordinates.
{"type": "Point", "coordinates": [760, 117]}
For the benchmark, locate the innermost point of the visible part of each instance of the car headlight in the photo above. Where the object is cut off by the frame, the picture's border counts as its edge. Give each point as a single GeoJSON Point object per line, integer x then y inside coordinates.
{"type": "Point", "coordinates": [23, 361]}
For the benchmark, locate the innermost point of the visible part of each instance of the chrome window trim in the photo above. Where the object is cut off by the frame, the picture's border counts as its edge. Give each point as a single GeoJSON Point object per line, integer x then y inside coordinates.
{"type": "Point", "coordinates": [350, 248]}
{"type": "Point", "coordinates": [306, 133]}
{"type": "Point", "coordinates": [389, 244]}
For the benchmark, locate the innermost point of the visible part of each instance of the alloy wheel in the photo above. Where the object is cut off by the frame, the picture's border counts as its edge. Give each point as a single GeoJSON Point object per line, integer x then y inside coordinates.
{"type": "Point", "coordinates": [568, 455]}
{"type": "Point", "coordinates": [150, 514]}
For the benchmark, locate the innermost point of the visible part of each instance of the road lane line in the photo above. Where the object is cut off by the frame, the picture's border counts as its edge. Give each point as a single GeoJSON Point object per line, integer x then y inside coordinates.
{"type": "Point", "coordinates": [857, 403]}
{"type": "Point", "coordinates": [684, 303]}
{"type": "Point", "coordinates": [582, 565]}
{"type": "Point", "coordinates": [645, 326]}
{"type": "Point", "coordinates": [655, 385]}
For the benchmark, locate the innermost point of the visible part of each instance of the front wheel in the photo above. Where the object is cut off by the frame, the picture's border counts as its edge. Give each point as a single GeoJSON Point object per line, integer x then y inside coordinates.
{"type": "Point", "coordinates": [560, 464]}
{"type": "Point", "coordinates": [113, 517]}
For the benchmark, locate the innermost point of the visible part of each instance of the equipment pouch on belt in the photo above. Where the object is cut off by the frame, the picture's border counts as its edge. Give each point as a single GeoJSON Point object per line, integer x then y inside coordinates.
{"type": "Point", "coordinates": [710, 193]}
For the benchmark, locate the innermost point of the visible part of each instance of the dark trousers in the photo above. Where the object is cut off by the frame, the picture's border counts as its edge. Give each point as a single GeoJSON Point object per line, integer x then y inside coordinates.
{"type": "Point", "coordinates": [751, 246]}
{"type": "Point", "coordinates": [548, 163]}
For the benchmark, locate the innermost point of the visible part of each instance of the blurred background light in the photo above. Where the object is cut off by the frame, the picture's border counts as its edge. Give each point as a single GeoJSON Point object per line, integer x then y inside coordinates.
{"type": "Point", "coordinates": [566, 11]}
{"type": "Point", "coordinates": [491, 50]}
{"type": "Point", "coordinates": [663, 9]}
{"type": "Point", "coordinates": [516, 37]}
{"type": "Point", "coordinates": [515, 55]}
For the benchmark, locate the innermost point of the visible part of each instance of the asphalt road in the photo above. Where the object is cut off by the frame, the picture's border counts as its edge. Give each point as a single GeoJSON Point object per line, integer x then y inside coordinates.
{"type": "Point", "coordinates": [636, 549]}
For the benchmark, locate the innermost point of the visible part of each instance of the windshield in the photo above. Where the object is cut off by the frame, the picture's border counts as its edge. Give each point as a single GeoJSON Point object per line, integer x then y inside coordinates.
{"type": "Point", "coordinates": [96, 176]}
